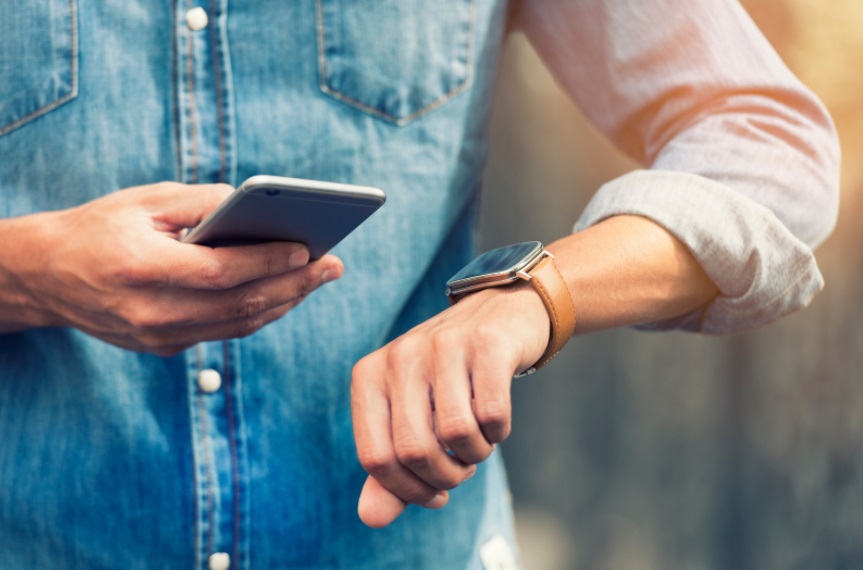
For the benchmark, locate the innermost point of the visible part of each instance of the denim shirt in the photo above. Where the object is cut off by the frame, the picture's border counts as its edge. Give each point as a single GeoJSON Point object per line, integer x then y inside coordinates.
{"type": "Point", "coordinates": [115, 459]}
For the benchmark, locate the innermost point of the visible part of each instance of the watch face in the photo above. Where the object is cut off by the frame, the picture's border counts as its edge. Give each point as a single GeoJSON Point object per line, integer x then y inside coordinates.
{"type": "Point", "coordinates": [495, 267]}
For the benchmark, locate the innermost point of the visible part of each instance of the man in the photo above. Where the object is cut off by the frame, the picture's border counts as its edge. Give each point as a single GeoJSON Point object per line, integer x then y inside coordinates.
{"type": "Point", "coordinates": [140, 430]}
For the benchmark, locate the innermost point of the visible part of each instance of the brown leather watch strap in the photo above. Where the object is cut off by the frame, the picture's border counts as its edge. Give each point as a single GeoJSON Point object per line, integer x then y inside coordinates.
{"type": "Point", "coordinates": [552, 289]}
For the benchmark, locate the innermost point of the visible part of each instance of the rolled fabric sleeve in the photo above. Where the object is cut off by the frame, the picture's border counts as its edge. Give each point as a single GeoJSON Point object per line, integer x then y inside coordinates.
{"type": "Point", "coordinates": [743, 159]}
{"type": "Point", "coordinates": [761, 269]}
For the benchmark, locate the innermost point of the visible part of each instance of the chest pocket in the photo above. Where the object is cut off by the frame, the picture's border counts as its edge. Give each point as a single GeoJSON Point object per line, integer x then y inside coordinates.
{"type": "Point", "coordinates": [395, 59]}
{"type": "Point", "coordinates": [38, 59]}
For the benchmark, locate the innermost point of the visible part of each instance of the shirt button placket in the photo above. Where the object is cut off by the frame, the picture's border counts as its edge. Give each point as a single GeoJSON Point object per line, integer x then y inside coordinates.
{"type": "Point", "coordinates": [203, 119]}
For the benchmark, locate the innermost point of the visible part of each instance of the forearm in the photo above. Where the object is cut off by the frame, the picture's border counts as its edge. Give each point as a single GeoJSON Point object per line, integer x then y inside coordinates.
{"type": "Point", "coordinates": [629, 270]}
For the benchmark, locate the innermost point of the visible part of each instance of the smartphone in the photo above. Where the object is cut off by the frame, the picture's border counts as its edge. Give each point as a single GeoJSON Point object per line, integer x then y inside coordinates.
{"type": "Point", "coordinates": [273, 208]}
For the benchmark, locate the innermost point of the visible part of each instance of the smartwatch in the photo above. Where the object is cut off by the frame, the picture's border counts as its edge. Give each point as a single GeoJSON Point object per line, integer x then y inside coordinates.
{"type": "Point", "coordinates": [528, 261]}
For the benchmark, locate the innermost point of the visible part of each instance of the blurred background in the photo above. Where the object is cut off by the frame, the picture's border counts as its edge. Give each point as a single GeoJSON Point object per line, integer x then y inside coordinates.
{"type": "Point", "coordinates": [668, 450]}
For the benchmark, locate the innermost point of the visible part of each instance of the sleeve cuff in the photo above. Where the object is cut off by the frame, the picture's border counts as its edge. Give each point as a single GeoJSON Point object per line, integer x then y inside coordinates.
{"type": "Point", "coordinates": [763, 272]}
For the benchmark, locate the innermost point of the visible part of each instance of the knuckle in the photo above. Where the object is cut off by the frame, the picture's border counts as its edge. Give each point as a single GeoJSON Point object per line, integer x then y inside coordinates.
{"type": "Point", "coordinates": [496, 432]}
{"type": "Point", "coordinates": [480, 456]}
{"type": "Point", "coordinates": [455, 429]}
{"type": "Point", "coordinates": [412, 453]}
{"type": "Point", "coordinates": [499, 433]}
{"type": "Point", "coordinates": [493, 414]}
{"type": "Point", "coordinates": [446, 340]}
{"type": "Point", "coordinates": [145, 317]}
{"type": "Point", "coordinates": [367, 378]}
{"type": "Point", "coordinates": [404, 349]}
{"type": "Point", "coordinates": [375, 460]}
{"type": "Point", "coordinates": [448, 482]}
{"type": "Point", "coordinates": [249, 306]}
{"type": "Point", "coordinates": [362, 368]}
{"type": "Point", "coordinates": [363, 374]}
{"type": "Point", "coordinates": [216, 275]}
{"type": "Point", "coordinates": [360, 373]}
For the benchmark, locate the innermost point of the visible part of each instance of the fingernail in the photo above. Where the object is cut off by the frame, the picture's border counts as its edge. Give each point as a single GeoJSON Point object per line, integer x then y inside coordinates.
{"type": "Point", "coordinates": [298, 258]}
{"type": "Point", "coordinates": [329, 275]}
{"type": "Point", "coordinates": [437, 501]}
{"type": "Point", "coordinates": [470, 474]}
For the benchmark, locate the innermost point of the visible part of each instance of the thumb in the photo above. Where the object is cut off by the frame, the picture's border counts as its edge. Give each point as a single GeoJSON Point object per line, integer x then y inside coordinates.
{"type": "Point", "coordinates": [185, 205]}
{"type": "Point", "coordinates": [378, 507]}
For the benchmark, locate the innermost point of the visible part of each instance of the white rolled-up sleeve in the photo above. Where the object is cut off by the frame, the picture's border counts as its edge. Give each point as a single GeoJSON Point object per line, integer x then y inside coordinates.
{"type": "Point", "coordinates": [741, 159]}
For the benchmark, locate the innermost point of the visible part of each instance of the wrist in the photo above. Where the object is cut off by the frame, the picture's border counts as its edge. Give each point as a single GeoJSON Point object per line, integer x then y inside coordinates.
{"type": "Point", "coordinates": [517, 311]}
{"type": "Point", "coordinates": [530, 317]}
{"type": "Point", "coordinates": [26, 243]}
{"type": "Point", "coordinates": [533, 267]}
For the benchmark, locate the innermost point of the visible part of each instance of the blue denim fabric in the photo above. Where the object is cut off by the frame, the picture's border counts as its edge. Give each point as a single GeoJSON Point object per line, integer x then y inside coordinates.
{"type": "Point", "coordinates": [113, 459]}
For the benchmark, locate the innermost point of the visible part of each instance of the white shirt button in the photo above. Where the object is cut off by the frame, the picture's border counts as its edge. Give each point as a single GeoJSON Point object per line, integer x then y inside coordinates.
{"type": "Point", "coordinates": [209, 380]}
{"type": "Point", "coordinates": [196, 19]}
{"type": "Point", "coordinates": [219, 561]}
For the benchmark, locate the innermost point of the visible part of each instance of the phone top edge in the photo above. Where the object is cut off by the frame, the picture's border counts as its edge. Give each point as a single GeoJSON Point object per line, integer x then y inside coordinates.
{"type": "Point", "coordinates": [264, 181]}
{"type": "Point", "coordinates": [293, 189]}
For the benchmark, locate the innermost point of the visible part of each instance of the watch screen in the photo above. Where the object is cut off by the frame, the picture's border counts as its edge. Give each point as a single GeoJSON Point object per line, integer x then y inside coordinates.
{"type": "Point", "coordinates": [505, 259]}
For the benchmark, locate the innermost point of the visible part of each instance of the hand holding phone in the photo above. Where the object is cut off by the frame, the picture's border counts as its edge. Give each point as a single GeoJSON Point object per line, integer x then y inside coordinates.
{"type": "Point", "coordinates": [141, 289]}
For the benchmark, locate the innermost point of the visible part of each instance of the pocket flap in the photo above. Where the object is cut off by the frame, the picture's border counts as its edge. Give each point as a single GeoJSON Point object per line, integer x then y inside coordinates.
{"type": "Point", "coordinates": [38, 59]}
{"type": "Point", "coordinates": [394, 59]}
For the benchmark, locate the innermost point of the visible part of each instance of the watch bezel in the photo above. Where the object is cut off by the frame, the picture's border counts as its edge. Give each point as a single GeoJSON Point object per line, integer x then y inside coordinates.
{"type": "Point", "coordinates": [517, 271]}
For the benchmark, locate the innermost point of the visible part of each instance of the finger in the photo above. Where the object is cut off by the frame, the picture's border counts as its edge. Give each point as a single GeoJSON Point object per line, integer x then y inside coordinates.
{"type": "Point", "coordinates": [378, 507]}
{"type": "Point", "coordinates": [456, 423]}
{"type": "Point", "coordinates": [201, 267]}
{"type": "Point", "coordinates": [168, 308]}
{"type": "Point", "coordinates": [370, 411]}
{"type": "Point", "coordinates": [417, 446]}
{"type": "Point", "coordinates": [176, 206]}
{"type": "Point", "coordinates": [254, 298]}
{"type": "Point", "coordinates": [166, 340]}
{"type": "Point", "coordinates": [491, 378]}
